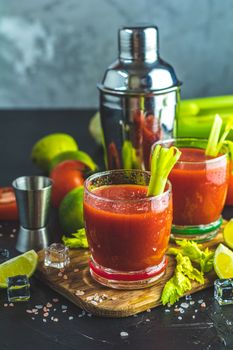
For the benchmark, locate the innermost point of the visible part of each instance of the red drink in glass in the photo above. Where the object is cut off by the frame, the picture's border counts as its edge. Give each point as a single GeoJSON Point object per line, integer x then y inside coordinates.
{"type": "Point", "coordinates": [128, 233]}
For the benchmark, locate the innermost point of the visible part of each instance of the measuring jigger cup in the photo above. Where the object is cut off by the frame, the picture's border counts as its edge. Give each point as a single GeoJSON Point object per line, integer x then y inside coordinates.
{"type": "Point", "coordinates": [33, 194]}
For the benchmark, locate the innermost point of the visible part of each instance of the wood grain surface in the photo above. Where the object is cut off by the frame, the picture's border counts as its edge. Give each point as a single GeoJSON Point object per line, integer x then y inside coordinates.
{"type": "Point", "coordinates": [76, 279]}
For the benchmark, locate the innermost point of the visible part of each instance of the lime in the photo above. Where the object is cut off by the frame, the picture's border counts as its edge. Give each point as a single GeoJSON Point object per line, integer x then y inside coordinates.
{"type": "Point", "coordinates": [228, 234]}
{"type": "Point", "coordinates": [96, 129]}
{"type": "Point", "coordinates": [50, 146]}
{"type": "Point", "coordinates": [223, 262]}
{"type": "Point", "coordinates": [73, 155]}
{"type": "Point", "coordinates": [24, 264]}
{"type": "Point", "coordinates": [71, 211]}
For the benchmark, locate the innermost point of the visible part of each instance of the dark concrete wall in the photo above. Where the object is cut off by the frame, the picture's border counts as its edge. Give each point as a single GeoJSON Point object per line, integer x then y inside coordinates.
{"type": "Point", "coordinates": [53, 52]}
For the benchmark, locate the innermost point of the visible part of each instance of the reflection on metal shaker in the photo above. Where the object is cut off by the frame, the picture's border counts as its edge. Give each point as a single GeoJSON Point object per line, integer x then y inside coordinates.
{"type": "Point", "coordinates": [139, 99]}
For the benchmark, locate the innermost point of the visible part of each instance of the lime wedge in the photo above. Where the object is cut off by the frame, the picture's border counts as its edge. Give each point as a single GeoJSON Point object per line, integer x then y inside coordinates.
{"type": "Point", "coordinates": [228, 234]}
{"type": "Point", "coordinates": [24, 264]}
{"type": "Point", "coordinates": [223, 262]}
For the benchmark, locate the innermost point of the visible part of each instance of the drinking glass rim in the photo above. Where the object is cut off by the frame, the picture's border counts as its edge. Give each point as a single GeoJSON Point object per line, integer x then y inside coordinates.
{"type": "Point", "coordinates": [212, 160]}
{"type": "Point", "coordinates": [108, 172]}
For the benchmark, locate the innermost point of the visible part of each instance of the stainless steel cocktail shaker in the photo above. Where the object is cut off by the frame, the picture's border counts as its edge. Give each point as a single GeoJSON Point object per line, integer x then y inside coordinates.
{"type": "Point", "coordinates": [139, 98]}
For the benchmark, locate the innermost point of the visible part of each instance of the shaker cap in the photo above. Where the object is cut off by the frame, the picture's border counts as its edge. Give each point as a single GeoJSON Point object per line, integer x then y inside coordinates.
{"type": "Point", "coordinates": [138, 43]}
{"type": "Point", "coordinates": [139, 68]}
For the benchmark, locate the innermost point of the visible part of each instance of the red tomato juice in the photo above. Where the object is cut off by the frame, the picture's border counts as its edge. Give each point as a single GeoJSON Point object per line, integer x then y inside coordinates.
{"type": "Point", "coordinates": [127, 231]}
{"type": "Point", "coordinates": [199, 187]}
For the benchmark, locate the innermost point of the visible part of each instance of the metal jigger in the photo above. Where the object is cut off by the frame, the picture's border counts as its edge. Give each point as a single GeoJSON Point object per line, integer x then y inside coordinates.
{"type": "Point", "coordinates": [33, 195]}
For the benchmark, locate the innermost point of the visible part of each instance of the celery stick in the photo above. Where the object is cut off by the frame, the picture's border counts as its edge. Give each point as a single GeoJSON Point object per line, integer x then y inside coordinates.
{"type": "Point", "coordinates": [214, 136]}
{"type": "Point", "coordinates": [163, 160]}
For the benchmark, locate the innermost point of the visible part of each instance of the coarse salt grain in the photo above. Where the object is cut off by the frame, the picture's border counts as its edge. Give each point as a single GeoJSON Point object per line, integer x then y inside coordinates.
{"type": "Point", "coordinates": [55, 319]}
{"type": "Point", "coordinates": [184, 305]}
{"type": "Point", "coordinates": [44, 320]}
{"type": "Point", "coordinates": [29, 311]}
{"type": "Point", "coordinates": [124, 334]}
{"type": "Point", "coordinates": [147, 320]}
{"type": "Point", "coordinates": [39, 307]}
{"type": "Point", "coordinates": [1, 234]}
{"type": "Point", "coordinates": [193, 316]}
{"type": "Point", "coordinates": [11, 305]}
{"type": "Point", "coordinates": [12, 236]}
{"type": "Point", "coordinates": [167, 310]}
{"type": "Point", "coordinates": [55, 300]}
{"type": "Point", "coordinates": [93, 302]}
{"type": "Point", "coordinates": [64, 307]}
{"type": "Point", "coordinates": [148, 310]}
{"type": "Point", "coordinates": [79, 292]}
{"type": "Point", "coordinates": [203, 305]}
{"type": "Point", "coordinates": [200, 301]}
{"type": "Point", "coordinates": [48, 305]}
{"type": "Point", "coordinates": [71, 318]}
{"type": "Point", "coordinates": [179, 318]}
{"type": "Point", "coordinates": [192, 302]}
{"type": "Point", "coordinates": [46, 314]}
{"type": "Point", "coordinates": [64, 311]}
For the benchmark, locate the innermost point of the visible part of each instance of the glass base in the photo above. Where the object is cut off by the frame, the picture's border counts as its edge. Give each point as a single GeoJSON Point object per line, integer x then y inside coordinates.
{"type": "Point", "coordinates": [127, 280]}
{"type": "Point", "coordinates": [198, 233]}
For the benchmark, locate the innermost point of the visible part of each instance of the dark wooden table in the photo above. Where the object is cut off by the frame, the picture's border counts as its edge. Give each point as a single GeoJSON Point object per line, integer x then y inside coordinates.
{"type": "Point", "coordinates": [208, 328]}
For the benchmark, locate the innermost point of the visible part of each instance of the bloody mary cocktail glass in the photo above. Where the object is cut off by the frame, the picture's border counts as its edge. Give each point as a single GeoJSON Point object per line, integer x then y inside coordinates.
{"type": "Point", "coordinates": [199, 186]}
{"type": "Point", "coordinates": [128, 233]}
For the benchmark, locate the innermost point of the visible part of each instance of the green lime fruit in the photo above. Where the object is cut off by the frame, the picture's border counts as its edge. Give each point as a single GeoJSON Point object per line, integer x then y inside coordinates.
{"type": "Point", "coordinates": [73, 155]}
{"type": "Point", "coordinates": [71, 211]}
{"type": "Point", "coordinates": [95, 128]}
{"type": "Point", "coordinates": [223, 262]}
{"type": "Point", "coordinates": [49, 147]}
{"type": "Point", "coordinates": [24, 264]}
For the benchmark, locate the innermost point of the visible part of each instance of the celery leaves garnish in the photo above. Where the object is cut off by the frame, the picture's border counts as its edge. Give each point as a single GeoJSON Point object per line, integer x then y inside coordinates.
{"type": "Point", "coordinates": [180, 283]}
{"type": "Point", "coordinates": [78, 239]}
{"type": "Point", "coordinates": [215, 142]}
{"type": "Point", "coordinates": [205, 258]}
{"type": "Point", "coordinates": [162, 162]}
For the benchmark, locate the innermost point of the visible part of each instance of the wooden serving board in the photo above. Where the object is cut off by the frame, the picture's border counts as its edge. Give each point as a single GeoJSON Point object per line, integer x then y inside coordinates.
{"type": "Point", "coordinates": [116, 303]}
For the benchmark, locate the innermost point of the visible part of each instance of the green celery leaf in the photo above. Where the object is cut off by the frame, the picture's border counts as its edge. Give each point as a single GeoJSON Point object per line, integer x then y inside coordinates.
{"type": "Point", "coordinates": [78, 239]}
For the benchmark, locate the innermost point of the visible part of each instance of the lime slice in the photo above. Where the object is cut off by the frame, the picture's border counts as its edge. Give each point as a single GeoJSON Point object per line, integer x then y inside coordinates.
{"type": "Point", "coordinates": [73, 155]}
{"type": "Point", "coordinates": [71, 211]}
{"type": "Point", "coordinates": [228, 234]}
{"type": "Point", "coordinates": [50, 146]}
{"type": "Point", "coordinates": [223, 262]}
{"type": "Point", "coordinates": [24, 264]}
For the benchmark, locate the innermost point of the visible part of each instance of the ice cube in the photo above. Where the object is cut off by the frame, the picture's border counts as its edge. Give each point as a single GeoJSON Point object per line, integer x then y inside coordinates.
{"type": "Point", "coordinates": [18, 288]}
{"type": "Point", "coordinates": [4, 255]}
{"type": "Point", "coordinates": [223, 291]}
{"type": "Point", "coordinates": [57, 255]}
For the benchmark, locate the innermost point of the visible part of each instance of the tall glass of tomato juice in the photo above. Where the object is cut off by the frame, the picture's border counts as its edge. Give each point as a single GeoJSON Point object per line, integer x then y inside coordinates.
{"type": "Point", "coordinates": [199, 186]}
{"type": "Point", "coordinates": [128, 232]}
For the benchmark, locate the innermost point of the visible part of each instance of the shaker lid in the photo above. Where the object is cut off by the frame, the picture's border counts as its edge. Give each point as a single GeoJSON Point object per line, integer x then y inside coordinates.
{"type": "Point", "coordinates": [139, 68]}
